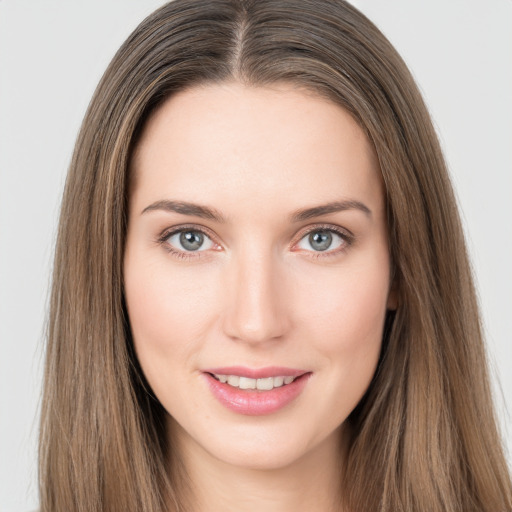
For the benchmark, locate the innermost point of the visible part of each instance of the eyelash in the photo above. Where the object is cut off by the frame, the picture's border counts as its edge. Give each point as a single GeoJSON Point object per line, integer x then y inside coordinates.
{"type": "Point", "coordinates": [347, 240]}
{"type": "Point", "coordinates": [184, 255]}
{"type": "Point", "coordinates": [347, 237]}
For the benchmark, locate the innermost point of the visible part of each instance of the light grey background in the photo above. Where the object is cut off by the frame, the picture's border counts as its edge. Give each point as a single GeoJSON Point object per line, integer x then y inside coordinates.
{"type": "Point", "coordinates": [53, 52]}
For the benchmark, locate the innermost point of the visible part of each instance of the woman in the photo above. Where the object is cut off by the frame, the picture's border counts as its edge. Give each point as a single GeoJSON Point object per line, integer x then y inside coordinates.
{"type": "Point", "coordinates": [261, 292]}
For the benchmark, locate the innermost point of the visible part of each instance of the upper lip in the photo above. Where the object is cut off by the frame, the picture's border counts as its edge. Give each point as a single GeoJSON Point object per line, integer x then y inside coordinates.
{"type": "Point", "coordinates": [257, 373]}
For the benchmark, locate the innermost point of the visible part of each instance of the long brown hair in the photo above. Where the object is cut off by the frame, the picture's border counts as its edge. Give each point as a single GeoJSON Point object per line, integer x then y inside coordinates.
{"type": "Point", "coordinates": [424, 435]}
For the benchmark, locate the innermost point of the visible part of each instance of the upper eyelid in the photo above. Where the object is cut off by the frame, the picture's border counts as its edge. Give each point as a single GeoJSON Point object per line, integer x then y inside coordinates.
{"type": "Point", "coordinates": [325, 227]}
{"type": "Point", "coordinates": [166, 233]}
{"type": "Point", "coordinates": [304, 231]}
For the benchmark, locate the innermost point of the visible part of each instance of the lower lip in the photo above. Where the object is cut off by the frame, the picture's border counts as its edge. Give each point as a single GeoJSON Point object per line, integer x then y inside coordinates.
{"type": "Point", "coordinates": [252, 402]}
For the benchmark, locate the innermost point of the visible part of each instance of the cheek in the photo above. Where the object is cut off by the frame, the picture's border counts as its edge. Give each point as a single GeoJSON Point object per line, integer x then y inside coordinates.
{"type": "Point", "coordinates": [346, 320]}
{"type": "Point", "coordinates": [169, 313]}
{"type": "Point", "coordinates": [348, 310]}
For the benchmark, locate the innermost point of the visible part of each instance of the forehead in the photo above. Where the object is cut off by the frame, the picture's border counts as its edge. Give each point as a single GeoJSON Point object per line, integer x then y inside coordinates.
{"type": "Point", "coordinates": [230, 141]}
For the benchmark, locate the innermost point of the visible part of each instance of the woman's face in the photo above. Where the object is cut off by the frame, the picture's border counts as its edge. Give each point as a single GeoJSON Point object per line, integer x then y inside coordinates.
{"type": "Point", "coordinates": [256, 254]}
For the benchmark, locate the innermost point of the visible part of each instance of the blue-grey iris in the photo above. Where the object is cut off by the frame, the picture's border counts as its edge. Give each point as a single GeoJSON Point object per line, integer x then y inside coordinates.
{"type": "Point", "coordinates": [320, 240]}
{"type": "Point", "coordinates": [191, 240]}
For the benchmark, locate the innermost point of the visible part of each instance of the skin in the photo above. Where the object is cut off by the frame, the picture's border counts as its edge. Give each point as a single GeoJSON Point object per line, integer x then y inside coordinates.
{"type": "Point", "coordinates": [259, 294]}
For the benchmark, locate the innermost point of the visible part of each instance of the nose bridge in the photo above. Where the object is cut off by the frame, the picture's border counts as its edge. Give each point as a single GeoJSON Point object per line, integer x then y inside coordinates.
{"type": "Point", "coordinates": [255, 311]}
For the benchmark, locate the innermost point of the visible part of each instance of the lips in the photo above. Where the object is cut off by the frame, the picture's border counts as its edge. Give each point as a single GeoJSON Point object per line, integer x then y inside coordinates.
{"type": "Point", "coordinates": [256, 391]}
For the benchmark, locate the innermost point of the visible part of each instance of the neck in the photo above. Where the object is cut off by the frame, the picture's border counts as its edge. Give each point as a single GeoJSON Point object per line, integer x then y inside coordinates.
{"type": "Point", "coordinates": [310, 483]}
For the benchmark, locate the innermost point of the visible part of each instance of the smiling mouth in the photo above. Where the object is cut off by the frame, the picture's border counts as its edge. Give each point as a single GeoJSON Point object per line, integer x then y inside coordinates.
{"type": "Point", "coordinates": [262, 384]}
{"type": "Point", "coordinates": [256, 392]}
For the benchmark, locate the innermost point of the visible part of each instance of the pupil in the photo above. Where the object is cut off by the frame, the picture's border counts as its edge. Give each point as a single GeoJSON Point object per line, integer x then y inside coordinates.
{"type": "Point", "coordinates": [320, 240]}
{"type": "Point", "coordinates": [191, 240]}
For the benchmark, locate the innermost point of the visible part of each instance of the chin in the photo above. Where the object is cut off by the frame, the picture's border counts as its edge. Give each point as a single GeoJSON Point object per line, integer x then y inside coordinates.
{"type": "Point", "coordinates": [260, 447]}
{"type": "Point", "coordinates": [273, 457]}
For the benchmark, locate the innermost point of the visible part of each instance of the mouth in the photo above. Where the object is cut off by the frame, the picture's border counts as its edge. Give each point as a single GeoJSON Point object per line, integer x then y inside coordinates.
{"type": "Point", "coordinates": [256, 392]}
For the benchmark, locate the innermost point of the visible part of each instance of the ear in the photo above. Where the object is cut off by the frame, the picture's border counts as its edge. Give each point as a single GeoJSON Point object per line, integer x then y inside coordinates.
{"type": "Point", "coordinates": [392, 303]}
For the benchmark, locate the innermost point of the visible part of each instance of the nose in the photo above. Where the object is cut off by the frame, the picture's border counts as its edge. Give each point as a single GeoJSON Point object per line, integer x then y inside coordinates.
{"type": "Point", "coordinates": [256, 307]}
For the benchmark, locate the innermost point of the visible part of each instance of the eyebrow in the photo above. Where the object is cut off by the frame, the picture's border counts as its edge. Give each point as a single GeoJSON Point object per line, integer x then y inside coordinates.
{"type": "Point", "coordinates": [185, 208]}
{"type": "Point", "coordinates": [205, 212]}
{"type": "Point", "coordinates": [333, 207]}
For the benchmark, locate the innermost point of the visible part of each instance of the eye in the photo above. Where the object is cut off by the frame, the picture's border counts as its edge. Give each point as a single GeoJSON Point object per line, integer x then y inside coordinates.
{"type": "Point", "coordinates": [189, 240]}
{"type": "Point", "coordinates": [321, 240]}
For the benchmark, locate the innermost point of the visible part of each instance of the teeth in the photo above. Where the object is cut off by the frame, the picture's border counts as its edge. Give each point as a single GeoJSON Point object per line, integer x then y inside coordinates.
{"type": "Point", "coordinates": [246, 383]}
{"type": "Point", "coordinates": [278, 382]}
{"type": "Point", "coordinates": [265, 384]}
{"type": "Point", "coordinates": [233, 380]}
